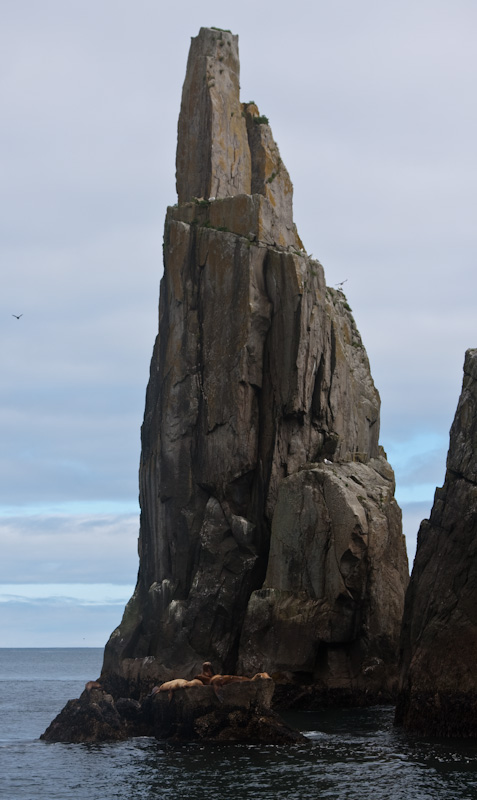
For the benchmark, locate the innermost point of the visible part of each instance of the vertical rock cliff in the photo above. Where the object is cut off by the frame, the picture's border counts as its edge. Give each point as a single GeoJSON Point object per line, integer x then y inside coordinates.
{"type": "Point", "coordinates": [270, 538]}
{"type": "Point", "coordinates": [438, 684]}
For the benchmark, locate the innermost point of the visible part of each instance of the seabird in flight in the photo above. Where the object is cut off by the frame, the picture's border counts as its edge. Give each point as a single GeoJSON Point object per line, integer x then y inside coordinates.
{"type": "Point", "coordinates": [17, 316]}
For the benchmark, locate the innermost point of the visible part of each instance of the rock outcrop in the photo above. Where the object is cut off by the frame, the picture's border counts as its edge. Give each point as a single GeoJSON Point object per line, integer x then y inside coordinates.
{"type": "Point", "coordinates": [438, 683]}
{"type": "Point", "coordinates": [270, 538]}
{"type": "Point", "coordinates": [236, 712]}
{"type": "Point", "coordinates": [96, 717]}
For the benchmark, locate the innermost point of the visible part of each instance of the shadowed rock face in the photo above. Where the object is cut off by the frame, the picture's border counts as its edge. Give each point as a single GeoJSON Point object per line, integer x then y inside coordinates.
{"type": "Point", "coordinates": [254, 552]}
{"type": "Point", "coordinates": [238, 712]}
{"type": "Point", "coordinates": [438, 685]}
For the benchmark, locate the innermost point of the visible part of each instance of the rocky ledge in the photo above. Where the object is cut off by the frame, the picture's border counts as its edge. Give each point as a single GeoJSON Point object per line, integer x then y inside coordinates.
{"type": "Point", "coordinates": [179, 710]}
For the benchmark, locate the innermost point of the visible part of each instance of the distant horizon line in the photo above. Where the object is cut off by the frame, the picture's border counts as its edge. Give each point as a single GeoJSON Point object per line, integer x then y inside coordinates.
{"type": "Point", "coordinates": [53, 647]}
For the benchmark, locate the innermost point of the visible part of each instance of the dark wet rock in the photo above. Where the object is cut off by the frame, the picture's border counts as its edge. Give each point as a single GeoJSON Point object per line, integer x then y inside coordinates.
{"type": "Point", "coordinates": [438, 683]}
{"type": "Point", "coordinates": [93, 717]}
{"type": "Point", "coordinates": [291, 696]}
{"type": "Point", "coordinates": [237, 712]}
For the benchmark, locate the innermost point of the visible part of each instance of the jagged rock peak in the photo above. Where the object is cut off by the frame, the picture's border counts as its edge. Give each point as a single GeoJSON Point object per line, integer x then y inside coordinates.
{"type": "Point", "coordinates": [462, 456]}
{"type": "Point", "coordinates": [224, 147]}
{"type": "Point", "coordinates": [213, 156]}
{"type": "Point", "coordinates": [438, 682]}
{"type": "Point", "coordinates": [267, 505]}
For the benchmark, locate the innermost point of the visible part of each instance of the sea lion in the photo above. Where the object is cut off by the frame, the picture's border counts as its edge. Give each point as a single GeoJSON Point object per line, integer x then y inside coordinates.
{"type": "Point", "coordinates": [171, 686]}
{"type": "Point", "coordinates": [218, 681]}
{"type": "Point", "coordinates": [177, 683]}
{"type": "Point", "coordinates": [261, 675]}
{"type": "Point", "coordinates": [206, 674]}
{"type": "Point", "coordinates": [223, 680]}
{"type": "Point", "coordinates": [93, 685]}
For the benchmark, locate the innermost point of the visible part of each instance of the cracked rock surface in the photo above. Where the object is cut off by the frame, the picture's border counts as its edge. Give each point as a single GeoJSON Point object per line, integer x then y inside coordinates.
{"type": "Point", "coordinates": [270, 538]}
{"type": "Point", "coordinates": [438, 684]}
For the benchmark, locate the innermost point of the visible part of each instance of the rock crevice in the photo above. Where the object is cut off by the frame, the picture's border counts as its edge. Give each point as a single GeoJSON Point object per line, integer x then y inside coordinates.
{"type": "Point", "coordinates": [270, 537]}
{"type": "Point", "coordinates": [438, 685]}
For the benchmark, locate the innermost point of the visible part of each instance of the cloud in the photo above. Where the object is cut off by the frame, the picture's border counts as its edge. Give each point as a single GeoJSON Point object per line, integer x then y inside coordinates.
{"type": "Point", "coordinates": [66, 594]}
{"type": "Point", "coordinates": [69, 548]}
{"type": "Point", "coordinates": [371, 106]}
{"type": "Point", "coordinates": [57, 624]}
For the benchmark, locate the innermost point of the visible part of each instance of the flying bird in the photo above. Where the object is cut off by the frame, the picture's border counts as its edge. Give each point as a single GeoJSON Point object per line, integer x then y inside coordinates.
{"type": "Point", "coordinates": [340, 285]}
{"type": "Point", "coordinates": [17, 316]}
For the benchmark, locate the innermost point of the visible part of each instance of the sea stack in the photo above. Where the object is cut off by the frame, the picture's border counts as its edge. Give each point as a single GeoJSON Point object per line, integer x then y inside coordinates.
{"type": "Point", "coordinates": [270, 538]}
{"type": "Point", "coordinates": [438, 683]}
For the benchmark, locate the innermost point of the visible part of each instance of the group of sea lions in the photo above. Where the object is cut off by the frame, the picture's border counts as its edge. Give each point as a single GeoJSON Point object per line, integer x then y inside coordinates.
{"type": "Point", "coordinates": [206, 678]}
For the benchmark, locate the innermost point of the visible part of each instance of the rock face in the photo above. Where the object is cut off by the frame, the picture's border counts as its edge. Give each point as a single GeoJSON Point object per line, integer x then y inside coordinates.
{"type": "Point", "coordinates": [270, 538]}
{"type": "Point", "coordinates": [438, 684]}
{"type": "Point", "coordinates": [237, 712]}
{"type": "Point", "coordinates": [96, 717]}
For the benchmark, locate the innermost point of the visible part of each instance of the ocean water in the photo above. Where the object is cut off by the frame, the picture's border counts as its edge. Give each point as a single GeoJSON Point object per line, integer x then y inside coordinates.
{"type": "Point", "coordinates": [351, 755]}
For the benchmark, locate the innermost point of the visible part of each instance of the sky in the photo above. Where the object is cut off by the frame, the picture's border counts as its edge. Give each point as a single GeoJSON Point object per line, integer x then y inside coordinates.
{"type": "Point", "coordinates": [373, 107]}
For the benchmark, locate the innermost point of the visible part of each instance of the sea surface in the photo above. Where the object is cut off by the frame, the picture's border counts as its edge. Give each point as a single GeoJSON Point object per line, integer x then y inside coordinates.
{"type": "Point", "coordinates": [351, 755]}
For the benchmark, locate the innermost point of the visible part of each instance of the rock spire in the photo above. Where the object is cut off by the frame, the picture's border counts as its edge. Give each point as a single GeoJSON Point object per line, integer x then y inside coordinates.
{"type": "Point", "coordinates": [438, 685]}
{"type": "Point", "coordinates": [270, 538]}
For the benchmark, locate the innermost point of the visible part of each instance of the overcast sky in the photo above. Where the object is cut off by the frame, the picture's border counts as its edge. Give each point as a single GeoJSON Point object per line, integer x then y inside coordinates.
{"type": "Point", "coordinates": [373, 107]}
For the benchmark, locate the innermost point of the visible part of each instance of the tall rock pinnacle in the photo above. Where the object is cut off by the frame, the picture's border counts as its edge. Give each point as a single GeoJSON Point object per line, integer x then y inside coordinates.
{"type": "Point", "coordinates": [224, 149]}
{"type": "Point", "coordinates": [213, 155]}
{"type": "Point", "coordinates": [270, 538]}
{"type": "Point", "coordinates": [438, 692]}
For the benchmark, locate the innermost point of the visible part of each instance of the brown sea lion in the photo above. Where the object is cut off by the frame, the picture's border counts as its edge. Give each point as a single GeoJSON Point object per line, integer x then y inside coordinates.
{"type": "Point", "coordinates": [206, 674]}
{"type": "Point", "coordinates": [177, 683]}
{"type": "Point", "coordinates": [171, 686]}
{"type": "Point", "coordinates": [223, 680]}
{"type": "Point", "coordinates": [218, 681]}
{"type": "Point", "coordinates": [92, 685]}
{"type": "Point", "coordinates": [261, 675]}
